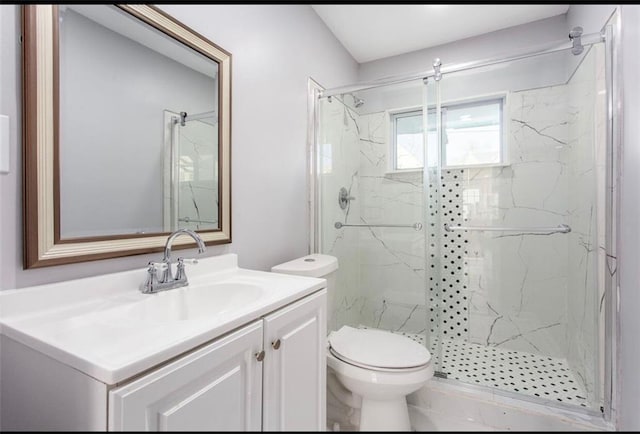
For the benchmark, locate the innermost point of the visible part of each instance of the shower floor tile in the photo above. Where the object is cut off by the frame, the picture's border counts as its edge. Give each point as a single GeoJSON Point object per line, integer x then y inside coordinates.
{"type": "Point", "coordinates": [516, 371]}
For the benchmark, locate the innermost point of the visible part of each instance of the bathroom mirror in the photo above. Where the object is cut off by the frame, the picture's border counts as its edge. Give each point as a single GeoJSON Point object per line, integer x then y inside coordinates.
{"type": "Point", "coordinates": [126, 133]}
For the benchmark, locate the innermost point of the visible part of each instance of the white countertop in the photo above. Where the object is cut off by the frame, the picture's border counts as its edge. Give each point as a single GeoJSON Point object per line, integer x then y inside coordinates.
{"type": "Point", "coordinates": [105, 327]}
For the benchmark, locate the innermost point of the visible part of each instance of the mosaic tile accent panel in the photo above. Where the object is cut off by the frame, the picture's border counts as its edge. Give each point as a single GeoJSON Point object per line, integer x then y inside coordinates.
{"type": "Point", "coordinates": [449, 300]}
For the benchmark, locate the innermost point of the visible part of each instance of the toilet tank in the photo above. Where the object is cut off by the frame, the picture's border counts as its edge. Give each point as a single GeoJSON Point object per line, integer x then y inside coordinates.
{"type": "Point", "coordinates": [314, 265]}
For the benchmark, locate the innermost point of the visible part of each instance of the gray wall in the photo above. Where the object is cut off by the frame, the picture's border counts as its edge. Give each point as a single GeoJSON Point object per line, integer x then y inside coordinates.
{"type": "Point", "coordinates": [477, 48]}
{"type": "Point", "coordinates": [629, 339]}
{"type": "Point", "coordinates": [275, 49]}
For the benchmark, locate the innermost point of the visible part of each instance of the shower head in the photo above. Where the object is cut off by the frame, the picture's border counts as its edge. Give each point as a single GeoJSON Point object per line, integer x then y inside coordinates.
{"type": "Point", "coordinates": [357, 102]}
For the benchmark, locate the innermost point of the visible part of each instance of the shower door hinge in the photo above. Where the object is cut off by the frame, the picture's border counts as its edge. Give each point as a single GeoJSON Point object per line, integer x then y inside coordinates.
{"type": "Point", "coordinates": [575, 36]}
{"type": "Point", "coordinates": [437, 63]}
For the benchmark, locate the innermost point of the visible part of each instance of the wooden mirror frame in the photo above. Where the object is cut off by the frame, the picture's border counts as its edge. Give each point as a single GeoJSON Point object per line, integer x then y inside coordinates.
{"type": "Point", "coordinates": [43, 245]}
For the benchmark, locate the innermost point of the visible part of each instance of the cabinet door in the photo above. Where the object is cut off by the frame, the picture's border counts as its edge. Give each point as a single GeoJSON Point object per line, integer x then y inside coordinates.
{"type": "Point", "coordinates": [216, 388]}
{"type": "Point", "coordinates": [294, 395]}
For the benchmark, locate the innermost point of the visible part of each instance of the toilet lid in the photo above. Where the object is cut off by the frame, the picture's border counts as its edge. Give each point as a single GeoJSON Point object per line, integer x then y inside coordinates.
{"type": "Point", "coordinates": [378, 348]}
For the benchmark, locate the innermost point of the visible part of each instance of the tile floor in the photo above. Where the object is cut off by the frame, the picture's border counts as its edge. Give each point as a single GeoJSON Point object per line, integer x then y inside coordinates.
{"type": "Point", "coordinates": [514, 371]}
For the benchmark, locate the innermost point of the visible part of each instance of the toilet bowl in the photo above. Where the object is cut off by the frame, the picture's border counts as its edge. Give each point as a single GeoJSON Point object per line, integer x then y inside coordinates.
{"type": "Point", "coordinates": [381, 368]}
{"type": "Point", "coordinates": [378, 367]}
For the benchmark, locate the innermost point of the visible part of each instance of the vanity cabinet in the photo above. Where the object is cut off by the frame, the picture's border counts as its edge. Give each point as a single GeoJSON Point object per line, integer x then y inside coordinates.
{"type": "Point", "coordinates": [269, 375]}
{"type": "Point", "coordinates": [294, 372]}
{"type": "Point", "coordinates": [237, 349]}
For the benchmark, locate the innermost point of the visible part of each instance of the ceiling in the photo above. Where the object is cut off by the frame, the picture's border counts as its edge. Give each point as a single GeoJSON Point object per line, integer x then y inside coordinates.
{"type": "Point", "coordinates": [371, 32]}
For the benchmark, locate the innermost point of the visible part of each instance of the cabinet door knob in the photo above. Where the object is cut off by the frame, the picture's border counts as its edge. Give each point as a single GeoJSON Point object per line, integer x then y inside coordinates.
{"type": "Point", "coordinates": [275, 344]}
{"type": "Point", "coordinates": [260, 356]}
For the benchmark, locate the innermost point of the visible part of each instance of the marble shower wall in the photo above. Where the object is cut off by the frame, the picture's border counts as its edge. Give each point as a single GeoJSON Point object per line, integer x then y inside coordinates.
{"type": "Point", "coordinates": [496, 289]}
{"type": "Point", "coordinates": [338, 165]}
{"type": "Point", "coordinates": [586, 177]}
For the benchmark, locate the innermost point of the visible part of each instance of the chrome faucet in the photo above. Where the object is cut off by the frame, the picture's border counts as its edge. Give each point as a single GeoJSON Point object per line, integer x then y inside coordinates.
{"type": "Point", "coordinates": [166, 279]}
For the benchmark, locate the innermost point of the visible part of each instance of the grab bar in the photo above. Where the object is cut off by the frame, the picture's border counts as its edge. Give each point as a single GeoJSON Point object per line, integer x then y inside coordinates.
{"type": "Point", "coordinates": [190, 220]}
{"type": "Point", "coordinates": [563, 229]}
{"type": "Point", "coordinates": [416, 226]}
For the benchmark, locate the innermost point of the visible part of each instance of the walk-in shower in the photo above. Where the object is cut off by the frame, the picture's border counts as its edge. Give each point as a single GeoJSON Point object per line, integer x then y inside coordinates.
{"type": "Point", "coordinates": [480, 216]}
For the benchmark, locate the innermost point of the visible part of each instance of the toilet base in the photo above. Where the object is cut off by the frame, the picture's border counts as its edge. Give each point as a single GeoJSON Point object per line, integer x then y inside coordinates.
{"type": "Point", "coordinates": [387, 415]}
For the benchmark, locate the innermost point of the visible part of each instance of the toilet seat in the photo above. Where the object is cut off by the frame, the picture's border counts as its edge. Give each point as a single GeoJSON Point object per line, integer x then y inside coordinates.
{"type": "Point", "coordinates": [378, 350]}
{"type": "Point", "coordinates": [372, 368]}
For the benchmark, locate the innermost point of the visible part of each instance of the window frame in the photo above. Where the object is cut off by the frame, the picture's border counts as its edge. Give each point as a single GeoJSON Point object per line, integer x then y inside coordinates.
{"type": "Point", "coordinates": [502, 98]}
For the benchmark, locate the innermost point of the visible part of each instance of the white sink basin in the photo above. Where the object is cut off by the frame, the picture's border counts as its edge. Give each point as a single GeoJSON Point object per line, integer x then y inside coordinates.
{"type": "Point", "coordinates": [105, 327]}
{"type": "Point", "coordinates": [193, 303]}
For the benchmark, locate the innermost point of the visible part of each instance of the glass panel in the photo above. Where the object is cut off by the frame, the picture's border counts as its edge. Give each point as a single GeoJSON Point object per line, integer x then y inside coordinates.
{"type": "Point", "coordinates": [433, 218]}
{"type": "Point", "coordinates": [338, 156]}
{"type": "Point", "coordinates": [380, 282]}
{"type": "Point", "coordinates": [197, 173]}
{"type": "Point", "coordinates": [517, 310]}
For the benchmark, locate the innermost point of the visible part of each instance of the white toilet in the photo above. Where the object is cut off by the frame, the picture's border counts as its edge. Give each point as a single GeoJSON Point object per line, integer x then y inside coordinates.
{"type": "Point", "coordinates": [379, 368]}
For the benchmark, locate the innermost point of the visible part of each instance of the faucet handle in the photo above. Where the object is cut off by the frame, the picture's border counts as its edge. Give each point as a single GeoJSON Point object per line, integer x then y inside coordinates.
{"type": "Point", "coordinates": [154, 267]}
{"type": "Point", "coordinates": [152, 276]}
{"type": "Point", "coordinates": [180, 268]}
{"type": "Point", "coordinates": [158, 266]}
{"type": "Point", "coordinates": [162, 270]}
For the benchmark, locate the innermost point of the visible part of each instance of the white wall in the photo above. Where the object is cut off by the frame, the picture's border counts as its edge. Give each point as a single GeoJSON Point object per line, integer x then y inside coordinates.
{"type": "Point", "coordinates": [275, 49]}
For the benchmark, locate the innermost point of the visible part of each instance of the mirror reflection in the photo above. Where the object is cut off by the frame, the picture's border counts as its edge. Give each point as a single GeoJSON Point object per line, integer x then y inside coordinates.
{"type": "Point", "coordinates": [138, 128]}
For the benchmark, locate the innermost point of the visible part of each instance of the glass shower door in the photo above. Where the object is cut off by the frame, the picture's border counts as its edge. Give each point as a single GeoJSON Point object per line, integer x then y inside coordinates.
{"type": "Point", "coordinates": [378, 234]}
{"type": "Point", "coordinates": [196, 174]}
{"type": "Point", "coordinates": [514, 217]}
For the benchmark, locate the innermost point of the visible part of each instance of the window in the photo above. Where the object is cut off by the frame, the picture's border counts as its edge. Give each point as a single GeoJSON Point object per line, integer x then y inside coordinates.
{"type": "Point", "coordinates": [472, 135]}
{"type": "Point", "coordinates": [409, 151]}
